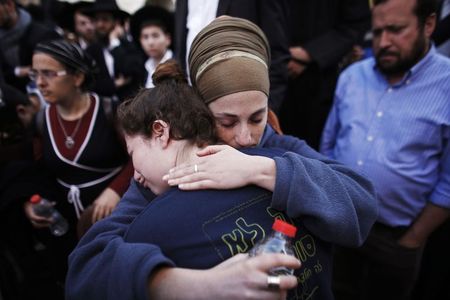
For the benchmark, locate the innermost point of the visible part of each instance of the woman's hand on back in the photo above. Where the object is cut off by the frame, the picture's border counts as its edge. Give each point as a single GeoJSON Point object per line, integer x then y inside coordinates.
{"type": "Point", "coordinates": [223, 167]}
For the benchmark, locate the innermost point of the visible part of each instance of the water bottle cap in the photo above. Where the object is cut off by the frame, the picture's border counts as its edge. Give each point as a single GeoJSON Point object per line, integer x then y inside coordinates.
{"type": "Point", "coordinates": [285, 228]}
{"type": "Point", "coordinates": [35, 198]}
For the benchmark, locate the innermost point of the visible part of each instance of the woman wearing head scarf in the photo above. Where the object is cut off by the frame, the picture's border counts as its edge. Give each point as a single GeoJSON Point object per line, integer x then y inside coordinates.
{"type": "Point", "coordinates": [165, 127]}
{"type": "Point", "coordinates": [229, 62]}
{"type": "Point", "coordinates": [80, 148]}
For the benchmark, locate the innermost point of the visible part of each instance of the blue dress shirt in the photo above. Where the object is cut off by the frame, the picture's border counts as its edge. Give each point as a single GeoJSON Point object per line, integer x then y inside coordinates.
{"type": "Point", "coordinates": [397, 135]}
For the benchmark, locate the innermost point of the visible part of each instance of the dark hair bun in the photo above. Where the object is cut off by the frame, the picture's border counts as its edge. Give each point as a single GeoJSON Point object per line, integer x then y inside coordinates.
{"type": "Point", "coordinates": [168, 71]}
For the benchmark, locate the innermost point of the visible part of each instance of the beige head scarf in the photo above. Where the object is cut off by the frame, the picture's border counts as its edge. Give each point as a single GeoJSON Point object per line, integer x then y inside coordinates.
{"type": "Point", "coordinates": [229, 55]}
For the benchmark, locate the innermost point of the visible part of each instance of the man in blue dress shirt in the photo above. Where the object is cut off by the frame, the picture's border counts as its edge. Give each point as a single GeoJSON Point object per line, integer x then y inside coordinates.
{"type": "Point", "coordinates": [391, 121]}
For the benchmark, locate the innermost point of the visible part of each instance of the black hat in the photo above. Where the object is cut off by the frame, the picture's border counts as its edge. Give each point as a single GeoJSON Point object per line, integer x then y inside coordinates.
{"type": "Point", "coordinates": [151, 14]}
{"type": "Point", "coordinates": [106, 6]}
{"type": "Point", "coordinates": [65, 16]}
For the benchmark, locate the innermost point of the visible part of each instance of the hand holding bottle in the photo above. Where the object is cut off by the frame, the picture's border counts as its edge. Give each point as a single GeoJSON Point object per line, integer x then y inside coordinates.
{"type": "Point", "coordinates": [42, 214]}
{"type": "Point", "coordinates": [36, 220]}
{"type": "Point", "coordinates": [279, 241]}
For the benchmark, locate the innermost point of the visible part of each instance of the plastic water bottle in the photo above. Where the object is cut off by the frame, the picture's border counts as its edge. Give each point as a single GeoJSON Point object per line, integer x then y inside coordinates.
{"type": "Point", "coordinates": [279, 241]}
{"type": "Point", "coordinates": [42, 207]}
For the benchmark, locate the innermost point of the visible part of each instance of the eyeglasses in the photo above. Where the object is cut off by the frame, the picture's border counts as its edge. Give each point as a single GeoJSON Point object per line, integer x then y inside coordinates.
{"type": "Point", "coordinates": [46, 74]}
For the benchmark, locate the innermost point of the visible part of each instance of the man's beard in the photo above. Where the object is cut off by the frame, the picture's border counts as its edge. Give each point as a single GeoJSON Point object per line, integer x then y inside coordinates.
{"type": "Point", "coordinates": [103, 38]}
{"type": "Point", "coordinates": [402, 65]}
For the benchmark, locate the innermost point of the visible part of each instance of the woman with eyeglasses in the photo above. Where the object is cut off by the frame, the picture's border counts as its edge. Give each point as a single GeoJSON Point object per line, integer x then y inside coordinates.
{"type": "Point", "coordinates": [81, 151]}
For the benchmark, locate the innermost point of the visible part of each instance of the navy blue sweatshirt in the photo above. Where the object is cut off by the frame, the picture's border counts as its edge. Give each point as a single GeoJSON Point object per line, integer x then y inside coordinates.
{"type": "Point", "coordinates": [334, 203]}
{"type": "Point", "coordinates": [200, 229]}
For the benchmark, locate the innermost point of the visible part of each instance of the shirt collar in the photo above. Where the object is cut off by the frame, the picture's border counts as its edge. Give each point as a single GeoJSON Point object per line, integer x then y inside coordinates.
{"type": "Point", "coordinates": [424, 62]}
{"type": "Point", "coordinates": [150, 64]}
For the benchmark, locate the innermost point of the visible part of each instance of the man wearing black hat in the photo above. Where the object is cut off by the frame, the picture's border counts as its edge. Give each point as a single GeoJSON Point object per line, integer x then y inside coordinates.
{"type": "Point", "coordinates": [78, 24]}
{"type": "Point", "coordinates": [116, 56]}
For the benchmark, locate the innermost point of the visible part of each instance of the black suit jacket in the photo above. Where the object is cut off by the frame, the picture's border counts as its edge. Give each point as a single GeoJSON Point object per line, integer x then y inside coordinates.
{"type": "Point", "coordinates": [127, 62]}
{"type": "Point", "coordinates": [328, 29]}
{"type": "Point", "coordinates": [270, 15]}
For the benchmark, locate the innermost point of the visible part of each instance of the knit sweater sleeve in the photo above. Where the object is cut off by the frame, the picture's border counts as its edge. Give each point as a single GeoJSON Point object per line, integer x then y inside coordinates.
{"type": "Point", "coordinates": [104, 266]}
{"type": "Point", "coordinates": [335, 203]}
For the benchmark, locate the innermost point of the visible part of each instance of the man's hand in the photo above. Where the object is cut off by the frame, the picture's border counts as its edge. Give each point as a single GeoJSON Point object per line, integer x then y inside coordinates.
{"type": "Point", "coordinates": [300, 59]}
{"type": "Point", "coordinates": [295, 69]}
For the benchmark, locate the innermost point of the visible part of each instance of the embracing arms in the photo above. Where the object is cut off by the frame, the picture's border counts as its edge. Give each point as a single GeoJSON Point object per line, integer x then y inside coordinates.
{"type": "Point", "coordinates": [105, 266]}
{"type": "Point", "coordinates": [335, 203]}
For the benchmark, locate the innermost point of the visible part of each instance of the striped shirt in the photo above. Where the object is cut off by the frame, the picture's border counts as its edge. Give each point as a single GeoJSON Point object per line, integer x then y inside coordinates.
{"type": "Point", "coordinates": [397, 135]}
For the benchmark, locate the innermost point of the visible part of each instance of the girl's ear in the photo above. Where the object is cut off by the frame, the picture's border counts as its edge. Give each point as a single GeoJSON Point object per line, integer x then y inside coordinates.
{"type": "Point", "coordinates": [161, 132]}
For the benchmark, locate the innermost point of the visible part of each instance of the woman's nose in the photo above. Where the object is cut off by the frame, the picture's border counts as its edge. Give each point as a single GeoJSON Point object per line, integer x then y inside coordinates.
{"type": "Point", "coordinates": [244, 138]}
